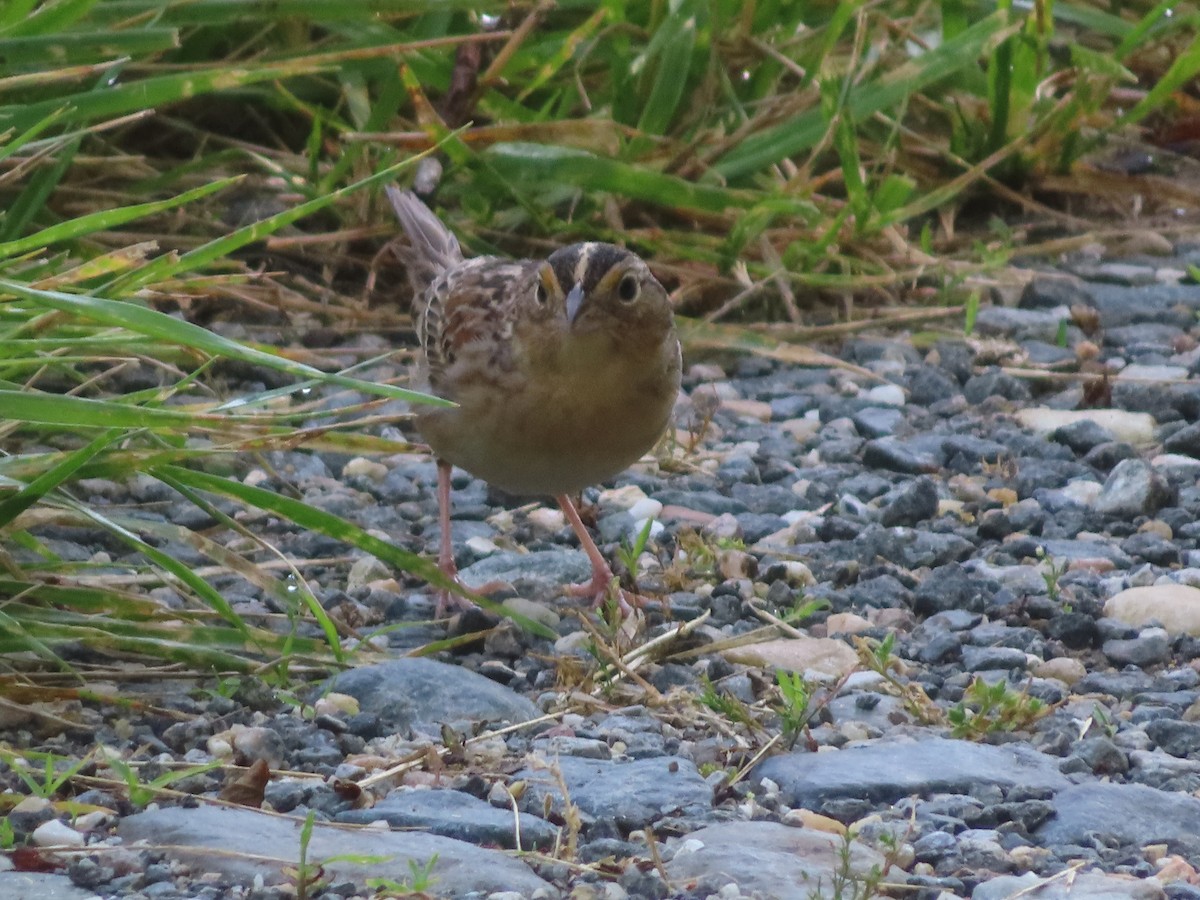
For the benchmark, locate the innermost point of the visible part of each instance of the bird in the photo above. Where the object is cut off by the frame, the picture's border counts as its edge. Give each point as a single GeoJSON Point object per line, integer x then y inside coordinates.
{"type": "Point", "coordinates": [564, 370]}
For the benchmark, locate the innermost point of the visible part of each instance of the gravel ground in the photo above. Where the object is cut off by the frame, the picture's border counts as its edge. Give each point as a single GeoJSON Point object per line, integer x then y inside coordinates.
{"type": "Point", "coordinates": [984, 603]}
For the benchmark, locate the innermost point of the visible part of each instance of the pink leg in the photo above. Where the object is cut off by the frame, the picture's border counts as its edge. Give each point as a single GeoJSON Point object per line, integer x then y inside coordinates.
{"type": "Point", "coordinates": [602, 573]}
{"type": "Point", "coordinates": [446, 552]}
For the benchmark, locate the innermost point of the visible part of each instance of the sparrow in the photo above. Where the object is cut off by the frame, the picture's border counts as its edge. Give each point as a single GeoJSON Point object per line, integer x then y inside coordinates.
{"type": "Point", "coordinates": [564, 371]}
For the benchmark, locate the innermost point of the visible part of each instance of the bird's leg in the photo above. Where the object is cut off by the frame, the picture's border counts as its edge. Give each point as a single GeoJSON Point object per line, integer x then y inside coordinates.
{"type": "Point", "coordinates": [602, 573]}
{"type": "Point", "coordinates": [446, 552]}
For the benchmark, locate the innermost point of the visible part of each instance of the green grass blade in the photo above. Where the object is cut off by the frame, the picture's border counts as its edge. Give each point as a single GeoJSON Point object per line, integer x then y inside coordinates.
{"type": "Point", "coordinates": [335, 527]}
{"type": "Point", "coordinates": [541, 164]}
{"type": "Point", "coordinates": [154, 324]}
{"type": "Point", "coordinates": [107, 219]}
{"type": "Point", "coordinates": [81, 47]}
{"type": "Point", "coordinates": [671, 50]}
{"type": "Point", "coordinates": [166, 266]}
{"type": "Point", "coordinates": [1183, 69]}
{"type": "Point", "coordinates": [51, 478]}
{"type": "Point", "coordinates": [770, 145]}
{"type": "Point", "coordinates": [38, 190]}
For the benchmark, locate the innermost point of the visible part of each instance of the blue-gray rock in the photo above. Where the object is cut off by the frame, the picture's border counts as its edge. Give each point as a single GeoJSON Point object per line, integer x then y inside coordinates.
{"type": "Point", "coordinates": [213, 839]}
{"type": "Point", "coordinates": [1179, 738]}
{"type": "Point", "coordinates": [1082, 435]}
{"type": "Point", "coordinates": [630, 794]}
{"type": "Point", "coordinates": [1162, 304]}
{"type": "Point", "coordinates": [1086, 885]}
{"type": "Point", "coordinates": [543, 572]}
{"type": "Point", "coordinates": [1052, 293]}
{"type": "Point", "coordinates": [766, 859]}
{"type": "Point", "coordinates": [886, 771]}
{"type": "Point", "coordinates": [423, 693]}
{"type": "Point", "coordinates": [1125, 815]}
{"type": "Point", "coordinates": [1143, 651]}
{"type": "Point", "coordinates": [978, 659]}
{"type": "Point", "coordinates": [910, 503]}
{"type": "Point", "coordinates": [996, 384]}
{"type": "Point", "coordinates": [909, 456]}
{"type": "Point", "coordinates": [928, 386]}
{"type": "Point", "coordinates": [1151, 547]}
{"type": "Point", "coordinates": [701, 501]}
{"type": "Point", "coordinates": [953, 587]}
{"type": "Point", "coordinates": [877, 421]}
{"type": "Point", "coordinates": [454, 814]}
{"type": "Point", "coordinates": [1102, 756]}
{"type": "Point", "coordinates": [1186, 441]}
{"type": "Point", "coordinates": [1105, 457]}
{"type": "Point", "coordinates": [1133, 488]}
{"type": "Point", "coordinates": [41, 886]}
{"type": "Point", "coordinates": [1019, 324]}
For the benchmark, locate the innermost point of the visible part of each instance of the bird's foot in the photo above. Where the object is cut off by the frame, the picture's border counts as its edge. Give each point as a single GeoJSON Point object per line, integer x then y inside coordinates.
{"type": "Point", "coordinates": [604, 588]}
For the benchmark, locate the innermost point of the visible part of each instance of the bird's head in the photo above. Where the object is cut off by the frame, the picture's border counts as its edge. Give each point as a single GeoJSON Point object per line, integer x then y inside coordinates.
{"type": "Point", "coordinates": [603, 288]}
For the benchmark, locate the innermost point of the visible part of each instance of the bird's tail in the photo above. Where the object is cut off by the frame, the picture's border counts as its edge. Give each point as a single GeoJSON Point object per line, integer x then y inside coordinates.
{"type": "Point", "coordinates": [432, 247]}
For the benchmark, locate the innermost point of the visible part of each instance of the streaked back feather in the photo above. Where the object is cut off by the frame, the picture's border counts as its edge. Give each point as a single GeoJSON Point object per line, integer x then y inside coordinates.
{"type": "Point", "coordinates": [432, 247]}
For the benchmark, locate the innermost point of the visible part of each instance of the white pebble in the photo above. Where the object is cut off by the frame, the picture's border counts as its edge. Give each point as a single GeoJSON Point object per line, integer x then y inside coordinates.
{"type": "Point", "coordinates": [547, 519]}
{"type": "Point", "coordinates": [886, 394]}
{"type": "Point", "coordinates": [646, 508]}
{"type": "Point", "coordinates": [365, 468]}
{"type": "Point", "coordinates": [56, 834]}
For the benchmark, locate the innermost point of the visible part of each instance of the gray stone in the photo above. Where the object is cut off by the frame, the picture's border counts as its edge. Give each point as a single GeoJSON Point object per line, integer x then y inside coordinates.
{"type": "Point", "coordinates": [41, 886]}
{"type": "Point", "coordinates": [1142, 651]}
{"type": "Point", "coordinates": [766, 859]}
{"type": "Point", "coordinates": [213, 839]}
{"type": "Point", "coordinates": [1133, 815]}
{"type": "Point", "coordinates": [1133, 488]}
{"type": "Point", "coordinates": [456, 815]}
{"type": "Point", "coordinates": [877, 421]}
{"type": "Point", "coordinates": [632, 794]}
{"type": "Point", "coordinates": [886, 771]}
{"type": "Point", "coordinates": [1019, 324]}
{"type": "Point", "coordinates": [543, 571]}
{"type": "Point", "coordinates": [1091, 885]}
{"type": "Point", "coordinates": [424, 693]}
{"type": "Point", "coordinates": [910, 503]}
{"type": "Point", "coordinates": [912, 457]}
{"type": "Point", "coordinates": [1176, 737]}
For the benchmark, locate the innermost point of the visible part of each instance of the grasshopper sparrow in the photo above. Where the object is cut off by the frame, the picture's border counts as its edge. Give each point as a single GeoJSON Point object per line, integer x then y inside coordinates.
{"type": "Point", "coordinates": [565, 370]}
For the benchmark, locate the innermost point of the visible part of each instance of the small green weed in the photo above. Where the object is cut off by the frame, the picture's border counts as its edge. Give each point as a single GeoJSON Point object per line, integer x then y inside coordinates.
{"type": "Point", "coordinates": [803, 610]}
{"type": "Point", "coordinates": [1051, 572]}
{"type": "Point", "coordinates": [141, 793]}
{"type": "Point", "coordinates": [421, 880]}
{"type": "Point", "coordinates": [847, 884]}
{"type": "Point", "coordinates": [723, 703]}
{"type": "Point", "coordinates": [56, 771]}
{"type": "Point", "coordinates": [629, 553]}
{"type": "Point", "coordinates": [971, 313]}
{"type": "Point", "coordinates": [876, 656]}
{"type": "Point", "coordinates": [796, 696]}
{"type": "Point", "coordinates": [987, 708]}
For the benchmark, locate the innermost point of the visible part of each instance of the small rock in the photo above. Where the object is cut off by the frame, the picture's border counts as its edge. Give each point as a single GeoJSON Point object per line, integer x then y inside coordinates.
{"type": "Point", "coordinates": [1176, 607]}
{"type": "Point", "coordinates": [56, 833]}
{"type": "Point", "coordinates": [1134, 489]}
{"type": "Point", "coordinates": [824, 655]}
{"type": "Point", "coordinates": [1132, 427]}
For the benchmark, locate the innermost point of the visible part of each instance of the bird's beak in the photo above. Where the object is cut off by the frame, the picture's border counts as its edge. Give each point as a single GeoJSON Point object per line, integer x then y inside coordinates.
{"type": "Point", "coordinates": [574, 302]}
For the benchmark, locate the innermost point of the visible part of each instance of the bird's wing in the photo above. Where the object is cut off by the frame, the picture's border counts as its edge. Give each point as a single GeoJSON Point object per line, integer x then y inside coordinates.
{"type": "Point", "coordinates": [472, 309]}
{"type": "Point", "coordinates": [431, 249]}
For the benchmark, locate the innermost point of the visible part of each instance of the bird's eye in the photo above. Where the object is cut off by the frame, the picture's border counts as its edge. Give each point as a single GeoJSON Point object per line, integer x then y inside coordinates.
{"type": "Point", "coordinates": [539, 294]}
{"type": "Point", "coordinates": [629, 288]}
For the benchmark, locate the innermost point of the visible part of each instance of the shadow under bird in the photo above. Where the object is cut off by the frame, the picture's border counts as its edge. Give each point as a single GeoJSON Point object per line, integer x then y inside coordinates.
{"type": "Point", "coordinates": [564, 370]}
